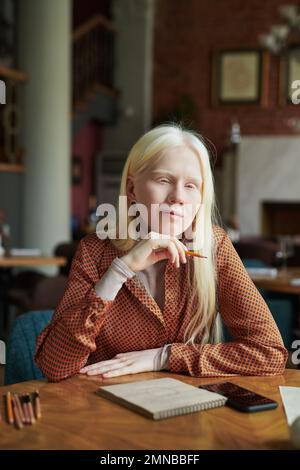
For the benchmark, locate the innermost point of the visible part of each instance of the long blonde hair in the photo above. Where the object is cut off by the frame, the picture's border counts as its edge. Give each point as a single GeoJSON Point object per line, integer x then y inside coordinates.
{"type": "Point", "coordinates": [204, 323]}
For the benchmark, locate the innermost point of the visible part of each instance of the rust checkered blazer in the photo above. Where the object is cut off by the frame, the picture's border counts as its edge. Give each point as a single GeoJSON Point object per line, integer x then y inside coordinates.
{"type": "Point", "coordinates": [86, 328]}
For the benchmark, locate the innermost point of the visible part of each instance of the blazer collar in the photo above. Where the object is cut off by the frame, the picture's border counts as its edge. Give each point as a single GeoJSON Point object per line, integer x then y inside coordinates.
{"type": "Point", "coordinates": [137, 288]}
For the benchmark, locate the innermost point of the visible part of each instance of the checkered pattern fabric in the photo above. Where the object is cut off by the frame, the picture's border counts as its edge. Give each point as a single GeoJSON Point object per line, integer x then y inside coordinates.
{"type": "Point", "coordinates": [86, 329]}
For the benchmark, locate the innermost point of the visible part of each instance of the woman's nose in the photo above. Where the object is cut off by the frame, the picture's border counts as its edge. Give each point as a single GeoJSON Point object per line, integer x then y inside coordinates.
{"type": "Point", "coordinates": [176, 195]}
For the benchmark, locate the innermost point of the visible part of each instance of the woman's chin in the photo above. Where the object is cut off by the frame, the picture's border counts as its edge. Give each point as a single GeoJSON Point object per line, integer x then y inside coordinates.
{"type": "Point", "coordinates": [173, 230]}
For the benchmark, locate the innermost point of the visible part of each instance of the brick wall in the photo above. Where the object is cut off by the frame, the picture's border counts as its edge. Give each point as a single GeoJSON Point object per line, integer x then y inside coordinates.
{"type": "Point", "coordinates": [86, 144]}
{"type": "Point", "coordinates": [186, 33]}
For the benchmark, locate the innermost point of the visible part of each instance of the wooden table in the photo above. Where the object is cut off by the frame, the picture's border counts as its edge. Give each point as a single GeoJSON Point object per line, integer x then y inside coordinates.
{"type": "Point", "coordinates": [280, 283]}
{"type": "Point", "coordinates": [21, 261]}
{"type": "Point", "coordinates": [74, 417]}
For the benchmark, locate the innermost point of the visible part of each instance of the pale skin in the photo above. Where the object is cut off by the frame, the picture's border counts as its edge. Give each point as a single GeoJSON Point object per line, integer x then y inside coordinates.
{"type": "Point", "coordinates": [174, 180]}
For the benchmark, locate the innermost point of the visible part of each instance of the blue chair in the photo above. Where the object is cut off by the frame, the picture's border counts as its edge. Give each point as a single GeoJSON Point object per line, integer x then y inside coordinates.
{"type": "Point", "coordinates": [254, 263]}
{"type": "Point", "coordinates": [284, 311]}
{"type": "Point", "coordinates": [20, 348]}
{"type": "Point", "coordinates": [282, 306]}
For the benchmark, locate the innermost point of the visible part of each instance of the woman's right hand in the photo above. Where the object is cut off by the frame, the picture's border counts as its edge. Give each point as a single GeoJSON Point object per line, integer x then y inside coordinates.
{"type": "Point", "coordinates": [153, 249]}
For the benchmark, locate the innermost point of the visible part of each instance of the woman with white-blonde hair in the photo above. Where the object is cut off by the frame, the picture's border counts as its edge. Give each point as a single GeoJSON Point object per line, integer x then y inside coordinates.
{"type": "Point", "coordinates": [144, 301]}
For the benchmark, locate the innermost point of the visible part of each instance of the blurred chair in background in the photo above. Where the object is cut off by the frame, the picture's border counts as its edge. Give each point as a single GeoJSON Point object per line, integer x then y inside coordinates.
{"type": "Point", "coordinates": [20, 348]}
{"type": "Point", "coordinates": [257, 248]}
{"type": "Point", "coordinates": [31, 290]}
{"type": "Point", "coordinates": [284, 307]}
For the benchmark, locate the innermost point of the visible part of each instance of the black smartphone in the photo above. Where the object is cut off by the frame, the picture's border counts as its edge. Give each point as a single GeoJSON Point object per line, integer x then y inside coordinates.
{"type": "Point", "coordinates": [241, 398]}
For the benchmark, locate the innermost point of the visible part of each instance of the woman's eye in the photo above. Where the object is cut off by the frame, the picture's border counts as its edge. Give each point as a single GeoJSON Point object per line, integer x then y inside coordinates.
{"type": "Point", "coordinates": [191, 185]}
{"type": "Point", "coordinates": [163, 180]}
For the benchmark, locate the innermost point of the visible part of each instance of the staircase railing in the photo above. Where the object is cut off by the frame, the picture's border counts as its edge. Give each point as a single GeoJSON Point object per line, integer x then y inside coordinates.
{"type": "Point", "coordinates": [93, 58]}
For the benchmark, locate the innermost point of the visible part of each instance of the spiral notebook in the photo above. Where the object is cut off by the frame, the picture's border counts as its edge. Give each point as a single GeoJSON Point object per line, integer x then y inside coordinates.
{"type": "Point", "coordinates": [161, 398]}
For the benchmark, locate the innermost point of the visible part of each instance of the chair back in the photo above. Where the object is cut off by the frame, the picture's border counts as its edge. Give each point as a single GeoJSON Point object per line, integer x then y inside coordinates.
{"type": "Point", "coordinates": [21, 345]}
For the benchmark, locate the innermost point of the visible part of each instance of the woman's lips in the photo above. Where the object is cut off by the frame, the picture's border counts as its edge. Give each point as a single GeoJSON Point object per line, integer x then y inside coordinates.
{"type": "Point", "coordinates": [173, 214]}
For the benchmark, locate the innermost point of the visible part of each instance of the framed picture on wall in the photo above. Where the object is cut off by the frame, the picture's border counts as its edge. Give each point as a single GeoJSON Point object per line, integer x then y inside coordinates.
{"type": "Point", "coordinates": [289, 74]}
{"type": "Point", "coordinates": [240, 77]}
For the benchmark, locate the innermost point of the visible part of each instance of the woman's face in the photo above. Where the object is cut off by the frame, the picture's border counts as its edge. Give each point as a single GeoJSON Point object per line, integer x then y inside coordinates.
{"type": "Point", "coordinates": [171, 185]}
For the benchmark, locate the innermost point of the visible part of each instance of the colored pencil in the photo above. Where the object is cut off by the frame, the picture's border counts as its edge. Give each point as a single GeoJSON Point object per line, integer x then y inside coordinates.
{"type": "Point", "coordinates": [9, 408]}
{"type": "Point", "coordinates": [37, 404]}
{"type": "Point", "coordinates": [194, 253]}
{"type": "Point", "coordinates": [17, 417]}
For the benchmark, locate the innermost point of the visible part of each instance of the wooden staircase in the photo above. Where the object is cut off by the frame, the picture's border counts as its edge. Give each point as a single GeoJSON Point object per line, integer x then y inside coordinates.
{"type": "Point", "coordinates": [11, 152]}
{"type": "Point", "coordinates": [94, 95]}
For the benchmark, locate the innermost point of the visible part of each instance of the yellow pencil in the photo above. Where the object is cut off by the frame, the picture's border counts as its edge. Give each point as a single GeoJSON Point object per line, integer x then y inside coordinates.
{"type": "Point", "coordinates": [9, 409]}
{"type": "Point", "coordinates": [194, 253]}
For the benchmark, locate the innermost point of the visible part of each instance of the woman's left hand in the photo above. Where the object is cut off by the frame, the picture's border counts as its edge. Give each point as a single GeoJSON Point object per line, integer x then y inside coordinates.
{"type": "Point", "coordinates": [125, 363]}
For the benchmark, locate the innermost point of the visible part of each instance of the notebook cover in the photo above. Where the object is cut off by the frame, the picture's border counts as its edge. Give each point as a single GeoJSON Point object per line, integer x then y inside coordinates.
{"type": "Point", "coordinates": [161, 398]}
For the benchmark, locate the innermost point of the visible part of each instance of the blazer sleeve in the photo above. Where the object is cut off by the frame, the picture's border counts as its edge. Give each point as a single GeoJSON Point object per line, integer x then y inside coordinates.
{"type": "Point", "coordinates": [257, 347]}
{"type": "Point", "coordinates": [64, 346]}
